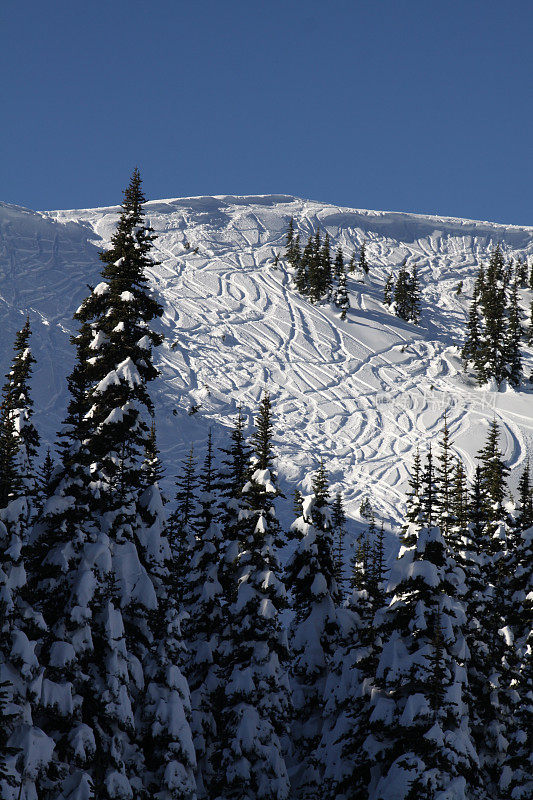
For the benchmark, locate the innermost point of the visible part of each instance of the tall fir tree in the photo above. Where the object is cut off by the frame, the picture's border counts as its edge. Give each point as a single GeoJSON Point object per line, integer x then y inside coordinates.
{"type": "Point", "coordinates": [444, 485]}
{"type": "Point", "coordinates": [388, 291]}
{"type": "Point", "coordinates": [182, 523]}
{"type": "Point", "coordinates": [513, 338]}
{"type": "Point", "coordinates": [205, 615]}
{"type": "Point", "coordinates": [420, 742]}
{"type": "Point", "coordinates": [494, 307]}
{"type": "Point", "coordinates": [104, 578]}
{"type": "Point", "coordinates": [338, 265]}
{"type": "Point", "coordinates": [342, 300]}
{"type": "Point", "coordinates": [314, 632]}
{"type": "Point", "coordinates": [363, 265]}
{"type": "Point", "coordinates": [256, 699]}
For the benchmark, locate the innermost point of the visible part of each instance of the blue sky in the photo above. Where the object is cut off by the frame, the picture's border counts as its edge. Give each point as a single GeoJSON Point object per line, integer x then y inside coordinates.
{"type": "Point", "coordinates": [409, 105]}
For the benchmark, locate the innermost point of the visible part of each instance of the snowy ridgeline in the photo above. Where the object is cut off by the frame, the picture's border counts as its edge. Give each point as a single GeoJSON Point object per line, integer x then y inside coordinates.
{"type": "Point", "coordinates": [363, 392]}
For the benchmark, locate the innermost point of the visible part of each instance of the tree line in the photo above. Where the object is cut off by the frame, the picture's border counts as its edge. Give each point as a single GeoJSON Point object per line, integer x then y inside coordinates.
{"type": "Point", "coordinates": [495, 331]}
{"type": "Point", "coordinates": [144, 653]}
{"type": "Point", "coordinates": [316, 274]}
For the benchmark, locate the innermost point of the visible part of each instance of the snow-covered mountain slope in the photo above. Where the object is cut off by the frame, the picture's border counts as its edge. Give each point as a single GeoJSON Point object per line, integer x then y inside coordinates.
{"type": "Point", "coordinates": [363, 393]}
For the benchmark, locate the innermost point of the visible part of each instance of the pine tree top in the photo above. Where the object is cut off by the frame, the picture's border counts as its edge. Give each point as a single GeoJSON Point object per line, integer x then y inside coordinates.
{"type": "Point", "coordinates": [262, 437]}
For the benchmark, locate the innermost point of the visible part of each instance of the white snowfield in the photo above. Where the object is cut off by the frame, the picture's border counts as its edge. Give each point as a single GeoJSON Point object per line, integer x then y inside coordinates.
{"type": "Point", "coordinates": [362, 393]}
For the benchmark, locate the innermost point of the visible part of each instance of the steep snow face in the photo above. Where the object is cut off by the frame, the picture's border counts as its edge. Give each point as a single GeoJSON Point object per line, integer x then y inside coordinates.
{"type": "Point", "coordinates": [363, 393]}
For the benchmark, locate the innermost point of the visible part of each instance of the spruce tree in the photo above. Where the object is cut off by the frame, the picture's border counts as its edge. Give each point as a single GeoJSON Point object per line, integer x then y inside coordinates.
{"type": "Point", "coordinates": [344, 763]}
{"type": "Point", "coordinates": [255, 703]}
{"type": "Point", "coordinates": [338, 265]}
{"type": "Point", "coordinates": [204, 620]}
{"type": "Point", "coordinates": [514, 338]}
{"type": "Point", "coordinates": [25, 749]}
{"type": "Point", "coordinates": [338, 522]}
{"type": "Point", "coordinates": [516, 780]}
{"type": "Point", "coordinates": [19, 440]}
{"type": "Point", "coordinates": [183, 520]}
{"type": "Point", "coordinates": [364, 268]}
{"type": "Point", "coordinates": [314, 632]}
{"type": "Point", "coordinates": [494, 306]}
{"type": "Point", "coordinates": [402, 293]}
{"type": "Point", "coordinates": [444, 475]}
{"type": "Point", "coordinates": [388, 290]}
{"type": "Point", "coordinates": [103, 587]}
{"type": "Point", "coordinates": [524, 518]}
{"type": "Point", "coordinates": [326, 282]}
{"type": "Point", "coordinates": [304, 268]}
{"type": "Point", "coordinates": [420, 740]}
{"type": "Point", "coordinates": [341, 295]}
{"type": "Point", "coordinates": [522, 272]}
{"type": "Point", "coordinates": [315, 273]}
{"type": "Point", "coordinates": [484, 554]}
{"type": "Point", "coordinates": [471, 350]}
{"type": "Point", "coordinates": [414, 296]}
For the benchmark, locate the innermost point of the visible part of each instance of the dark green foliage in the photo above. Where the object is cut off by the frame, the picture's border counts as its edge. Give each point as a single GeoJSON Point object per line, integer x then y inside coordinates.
{"type": "Point", "coordinates": [120, 312]}
{"type": "Point", "coordinates": [471, 351]}
{"type": "Point", "coordinates": [341, 295]}
{"type": "Point", "coordinates": [338, 266]}
{"type": "Point", "coordinates": [524, 518]}
{"type": "Point", "coordinates": [421, 663]}
{"type": "Point", "coordinates": [365, 509]}
{"type": "Point", "coordinates": [522, 273]}
{"type": "Point", "coordinates": [414, 296]}
{"type": "Point", "coordinates": [363, 265]}
{"type": "Point", "coordinates": [388, 290]}
{"type": "Point", "coordinates": [377, 567]}
{"type": "Point", "coordinates": [45, 477]}
{"type": "Point", "coordinates": [19, 440]}
{"type": "Point", "coordinates": [254, 676]}
{"type": "Point", "coordinates": [513, 338]}
{"type": "Point", "coordinates": [152, 466]}
{"type": "Point", "coordinates": [297, 505]}
{"type": "Point", "coordinates": [7, 777]}
{"type": "Point", "coordinates": [338, 523]}
{"type": "Point", "coordinates": [406, 294]}
{"type": "Point", "coordinates": [233, 477]}
{"type": "Point", "coordinates": [261, 439]}
{"type": "Point", "coordinates": [494, 331]}
{"type": "Point", "coordinates": [321, 508]}
{"type": "Point", "coordinates": [183, 520]}
{"type": "Point", "coordinates": [10, 478]}
{"type": "Point", "coordinates": [444, 478]}
{"type": "Point", "coordinates": [494, 470]}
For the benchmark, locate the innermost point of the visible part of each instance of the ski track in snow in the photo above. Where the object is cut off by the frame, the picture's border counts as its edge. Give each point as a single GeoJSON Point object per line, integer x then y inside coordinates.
{"type": "Point", "coordinates": [363, 393]}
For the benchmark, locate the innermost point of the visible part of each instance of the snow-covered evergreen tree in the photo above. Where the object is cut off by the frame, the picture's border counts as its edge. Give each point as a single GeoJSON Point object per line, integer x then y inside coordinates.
{"type": "Point", "coordinates": [513, 338]}
{"type": "Point", "coordinates": [482, 558]}
{"type": "Point", "coordinates": [516, 779]}
{"type": "Point", "coordinates": [420, 741]}
{"type": "Point", "coordinates": [25, 749]}
{"type": "Point", "coordinates": [102, 551]}
{"type": "Point", "coordinates": [342, 300]}
{"type": "Point", "coordinates": [444, 485]}
{"type": "Point", "coordinates": [182, 523]}
{"type": "Point", "coordinates": [234, 475]}
{"type": "Point", "coordinates": [314, 632]}
{"type": "Point", "coordinates": [524, 517]}
{"type": "Point", "coordinates": [204, 620]}
{"type": "Point", "coordinates": [256, 702]}
{"type": "Point", "coordinates": [388, 290]}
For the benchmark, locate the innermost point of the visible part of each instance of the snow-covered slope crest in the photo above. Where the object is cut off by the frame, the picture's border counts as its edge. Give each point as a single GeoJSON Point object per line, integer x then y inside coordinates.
{"type": "Point", "coordinates": [363, 393]}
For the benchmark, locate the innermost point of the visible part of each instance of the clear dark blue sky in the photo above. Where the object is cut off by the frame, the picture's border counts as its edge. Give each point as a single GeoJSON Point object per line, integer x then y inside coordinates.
{"type": "Point", "coordinates": [415, 105]}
